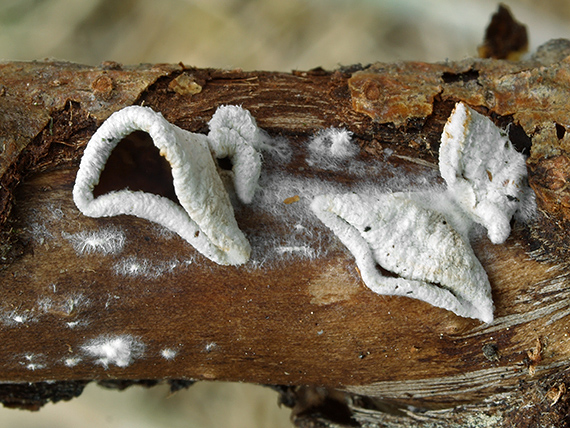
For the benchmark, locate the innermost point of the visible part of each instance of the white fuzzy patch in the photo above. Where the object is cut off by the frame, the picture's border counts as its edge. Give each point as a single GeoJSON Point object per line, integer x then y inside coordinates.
{"type": "Point", "coordinates": [105, 241]}
{"type": "Point", "coordinates": [330, 147]}
{"type": "Point", "coordinates": [168, 353]}
{"type": "Point", "coordinates": [211, 346]}
{"type": "Point", "coordinates": [114, 350]}
{"type": "Point", "coordinates": [40, 233]}
{"type": "Point", "coordinates": [72, 361]}
{"type": "Point", "coordinates": [138, 267]}
{"type": "Point", "coordinates": [18, 317]}
{"type": "Point", "coordinates": [33, 361]}
{"type": "Point", "coordinates": [64, 306]}
{"type": "Point", "coordinates": [133, 266]}
{"type": "Point", "coordinates": [302, 250]}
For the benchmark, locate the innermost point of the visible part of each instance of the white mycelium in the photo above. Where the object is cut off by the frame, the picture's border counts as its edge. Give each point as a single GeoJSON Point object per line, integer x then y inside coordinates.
{"type": "Point", "coordinates": [205, 217]}
{"type": "Point", "coordinates": [105, 241]}
{"type": "Point", "coordinates": [168, 353]}
{"type": "Point", "coordinates": [423, 237]}
{"type": "Point", "coordinates": [119, 350]}
{"type": "Point", "coordinates": [330, 147]}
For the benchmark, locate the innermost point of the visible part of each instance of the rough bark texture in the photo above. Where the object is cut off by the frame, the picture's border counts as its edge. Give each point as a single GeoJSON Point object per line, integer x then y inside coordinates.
{"type": "Point", "coordinates": [371, 360]}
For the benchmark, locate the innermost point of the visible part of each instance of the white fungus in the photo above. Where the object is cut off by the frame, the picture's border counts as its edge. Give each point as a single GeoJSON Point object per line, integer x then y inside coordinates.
{"type": "Point", "coordinates": [210, 346]}
{"type": "Point", "coordinates": [119, 350]}
{"type": "Point", "coordinates": [329, 147]}
{"type": "Point", "coordinates": [234, 134]}
{"type": "Point", "coordinates": [305, 237]}
{"type": "Point", "coordinates": [105, 241]}
{"type": "Point", "coordinates": [33, 361]}
{"type": "Point", "coordinates": [205, 217]}
{"type": "Point", "coordinates": [485, 175]}
{"type": "Point", "coordinates": [72, 361]}
{"type": "Point", "coordinates": [168, 353]}
{"type": "Point", "coordinates": [77, 324]}
{"type": "Point", "coordinates": [40, 233]}
{"type": "Point", "coordinates": [414, 242]}
{"type": "Point", "coordinates": [18, 317]}
{"type": "Point", "coordinates": [133, 266]}
{"type": "Point", "coordinates": [423, 236]}
{"type": "Point", "coordinates": [303, 250]}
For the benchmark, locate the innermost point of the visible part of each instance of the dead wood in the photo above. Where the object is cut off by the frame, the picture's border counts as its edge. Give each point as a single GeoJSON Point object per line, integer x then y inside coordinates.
{"type": "Point", "coordinates": [293, 321]}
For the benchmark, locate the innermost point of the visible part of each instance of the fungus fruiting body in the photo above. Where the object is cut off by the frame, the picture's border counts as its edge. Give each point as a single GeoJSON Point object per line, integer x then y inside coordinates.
{"type": "Point", "coordinates": [423, 236]}
{"type": "Point", "coordinates": [485, 175]}
{"type": "Point", "coordinates": [205, 216]}
{"type": "Point", "coordinates": [414, 242]}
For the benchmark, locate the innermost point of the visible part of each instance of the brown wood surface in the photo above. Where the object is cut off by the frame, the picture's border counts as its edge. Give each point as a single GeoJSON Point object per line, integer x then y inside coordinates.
{"type": "Point", "coordinates": [289, 320]}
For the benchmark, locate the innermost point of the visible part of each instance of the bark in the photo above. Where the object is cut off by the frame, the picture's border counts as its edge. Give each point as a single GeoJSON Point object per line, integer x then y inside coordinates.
{"type": "Point", "coordinates": [369, 360]}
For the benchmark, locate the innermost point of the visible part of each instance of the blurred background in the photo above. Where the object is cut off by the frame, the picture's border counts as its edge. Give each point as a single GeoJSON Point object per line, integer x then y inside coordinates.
{"type": "Point", "coordinates": [261, 34]}
{"type": "Point", "coordinates": [276, 35]}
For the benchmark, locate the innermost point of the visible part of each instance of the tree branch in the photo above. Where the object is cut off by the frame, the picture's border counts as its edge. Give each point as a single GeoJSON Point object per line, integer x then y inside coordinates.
{"type": "Point", "coordinates": [285, 318]}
